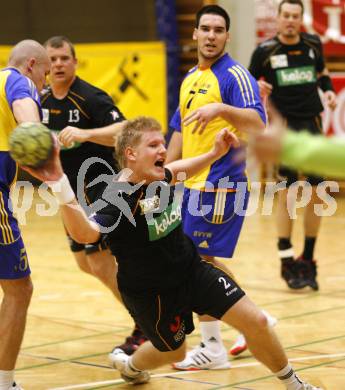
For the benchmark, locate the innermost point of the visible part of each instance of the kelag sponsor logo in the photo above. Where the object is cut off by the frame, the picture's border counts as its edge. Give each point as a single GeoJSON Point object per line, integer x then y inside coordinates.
{"type": "Point", "coordinates": [162, 225]}
{"type": "Point", "coordinates": [296, 76]}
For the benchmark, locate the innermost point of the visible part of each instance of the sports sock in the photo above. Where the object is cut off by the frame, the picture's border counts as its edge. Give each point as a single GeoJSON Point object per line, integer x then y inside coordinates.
{"type": "Point", "coordinates": [285, 249]}
{"type": "Point", "coordinates": [131, 369]}
{"type": "Point", "coordinates": [6, 379]}
{"type": "Point", "coordinates": [309, 245]}
{"type": "Point", "coordinates": [210, 336]}
{"type": "Point", "coordinates": [290, 379]}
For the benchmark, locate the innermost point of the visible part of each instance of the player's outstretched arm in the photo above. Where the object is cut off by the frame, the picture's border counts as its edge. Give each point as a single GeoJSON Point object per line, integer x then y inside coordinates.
{"type": "Point", "coordinates": [103, 135]}
{"type": "Point", "coordinates": [80, 228]}
{"type": "Point", "coordinates": [190, 166]}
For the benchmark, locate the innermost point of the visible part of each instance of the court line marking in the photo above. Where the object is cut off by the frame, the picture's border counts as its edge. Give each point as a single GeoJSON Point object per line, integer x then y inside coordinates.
{"type": "Point", "coordinates": [194, 334]}
{"type": "Point", "coordinates": [106, 353]}
{"type": "Point", "coordinates": [273, 376]}
{"type": "Point", "coordinates": [242, 365]}
{"type": "Point", "coordinates": [100, 334]}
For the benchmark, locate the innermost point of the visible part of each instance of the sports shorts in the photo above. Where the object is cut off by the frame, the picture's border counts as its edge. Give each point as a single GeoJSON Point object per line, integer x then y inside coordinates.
{"type": "Point", "coordinates": [13, 258]}
{"type": "Point", "coordinates": [313, 126]}
{"type": "Point", "coordinates": [167, 317]}
{"type": "Point", "coordinates": [213, 220]}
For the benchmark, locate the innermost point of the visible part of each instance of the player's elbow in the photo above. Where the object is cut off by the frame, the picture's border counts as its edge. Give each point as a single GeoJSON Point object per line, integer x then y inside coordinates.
{"type": "Point", "coordinates": [256, 128]}
{"type": "Point", "coordinates": [261, 126]}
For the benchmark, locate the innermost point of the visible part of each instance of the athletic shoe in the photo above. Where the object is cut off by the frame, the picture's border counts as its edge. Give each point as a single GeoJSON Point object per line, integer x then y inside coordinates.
{"type": "Point", "coordinates": [15, 387]}
{"type": "Point", "coordinates": [200, 358]}
{"type": "Point", "coordinates": [132, 342]}
{"type": "Point", "coordinates": [307, 386]}
{"type": "Point", "coordinates": [308, 271]}
{"type": "Point", "coordinates": [290, 272]}
{"type": "Point", "coordinates": [240, 344]}
{"type": "Point", "coordinates": [119, 360]}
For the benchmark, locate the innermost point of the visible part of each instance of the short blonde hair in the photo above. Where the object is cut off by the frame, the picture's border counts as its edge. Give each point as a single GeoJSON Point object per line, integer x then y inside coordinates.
{"type": "Point", "coordinates": [131, 135]}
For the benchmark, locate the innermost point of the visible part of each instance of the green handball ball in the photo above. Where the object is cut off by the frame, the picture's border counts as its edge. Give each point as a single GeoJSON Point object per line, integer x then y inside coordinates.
{"type": "Point", "coordinates": [31, 144]}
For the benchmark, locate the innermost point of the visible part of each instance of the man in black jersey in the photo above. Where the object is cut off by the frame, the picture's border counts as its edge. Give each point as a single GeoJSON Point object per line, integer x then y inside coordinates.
{"type": "Point", "coordinates": [85, 119]}
{"type": "Point", "coordinates": [161, 276]}
{"type": "Point", "coordinates": [291, 68]}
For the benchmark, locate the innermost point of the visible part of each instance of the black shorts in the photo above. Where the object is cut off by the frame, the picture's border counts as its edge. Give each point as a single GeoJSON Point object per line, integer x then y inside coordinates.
{"type": "Point", "coordinates": [167, 317]}
{"type": "Point", "coordinates": [313, 126]}
{"type": "Point", "coordinates": [92, 194]}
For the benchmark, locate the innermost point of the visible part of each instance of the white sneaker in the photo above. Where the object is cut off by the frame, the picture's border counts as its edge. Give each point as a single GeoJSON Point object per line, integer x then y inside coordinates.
{"type": "Point", "coordinates": [201, 358]}
{"type": "Point", "coordinates": [119, 360]}
{"type": "Point", "coordinates": [15, 387]}
{"type": "Point", "coordinates": [240, 345]}
{"type": "Point", "coordinates": [307, 386]}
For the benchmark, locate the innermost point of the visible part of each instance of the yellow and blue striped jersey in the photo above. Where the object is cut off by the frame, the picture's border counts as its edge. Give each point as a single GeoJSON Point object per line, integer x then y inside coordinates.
{"type": "Point", "coordinates": [226, 81]}
{"type": "Point", "coordinates": [13, 86]}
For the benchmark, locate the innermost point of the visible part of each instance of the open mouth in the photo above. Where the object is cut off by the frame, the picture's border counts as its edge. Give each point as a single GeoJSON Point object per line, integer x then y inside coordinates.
{"type": "Point", "coordinates": [159, 163]}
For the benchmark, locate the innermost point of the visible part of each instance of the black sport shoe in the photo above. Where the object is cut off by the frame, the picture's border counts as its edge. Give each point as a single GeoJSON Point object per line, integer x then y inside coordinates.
{"type": "Point", "coordinates": [291, 274]}
{"type": "Point", "coordinates": [132, 342]}
{"type": "Point", "coordinates": [308, 271]}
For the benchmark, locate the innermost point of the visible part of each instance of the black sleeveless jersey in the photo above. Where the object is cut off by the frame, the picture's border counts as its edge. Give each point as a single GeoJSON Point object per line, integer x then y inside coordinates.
{"type": "Point", "coordinates": [293, 72]}
{"type": "Point", "coordinates": [85, 107]}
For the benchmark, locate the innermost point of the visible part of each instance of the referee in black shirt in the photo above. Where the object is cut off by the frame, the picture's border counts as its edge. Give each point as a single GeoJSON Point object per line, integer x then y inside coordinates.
{"type": "Point", "coordinates": [291, 67]}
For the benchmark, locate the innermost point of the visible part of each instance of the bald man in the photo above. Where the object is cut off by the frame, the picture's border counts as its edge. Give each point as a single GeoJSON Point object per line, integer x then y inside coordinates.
{"type": "Point", "coordinates": [20, 84]}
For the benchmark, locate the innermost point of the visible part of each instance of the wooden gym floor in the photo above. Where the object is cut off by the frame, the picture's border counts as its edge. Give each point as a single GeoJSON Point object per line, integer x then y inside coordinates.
{"type": "Point", "coordinates": [74, 322]}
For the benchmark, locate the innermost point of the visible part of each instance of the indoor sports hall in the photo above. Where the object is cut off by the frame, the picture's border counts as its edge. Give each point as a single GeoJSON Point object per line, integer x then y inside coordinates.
{"type": "Point", "coordinates": [138, 52]}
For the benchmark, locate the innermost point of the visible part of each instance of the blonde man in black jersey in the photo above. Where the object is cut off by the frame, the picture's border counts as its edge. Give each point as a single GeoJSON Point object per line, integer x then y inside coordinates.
{"type": "Point", "coordinates": [162, 278]}
{"type": "Point", "coordinates": [291, 67]}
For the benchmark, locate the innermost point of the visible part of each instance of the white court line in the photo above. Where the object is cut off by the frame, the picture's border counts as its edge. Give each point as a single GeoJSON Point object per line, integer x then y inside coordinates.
{"type": "Point", "coordinates": [115, 381]}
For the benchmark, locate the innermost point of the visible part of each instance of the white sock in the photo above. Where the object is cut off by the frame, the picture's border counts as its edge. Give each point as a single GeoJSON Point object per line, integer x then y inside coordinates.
{"type": "Point", "coordinates": [6, 379]}
{"type": "Point", "coordinates": [210, 335]}
{"type": "Point", "coordinates": [288, 376]}
{"type": "Point", "coordinates": [131, 369]}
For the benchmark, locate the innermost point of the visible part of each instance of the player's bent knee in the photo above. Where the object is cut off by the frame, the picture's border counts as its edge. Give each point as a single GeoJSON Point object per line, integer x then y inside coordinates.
{"type": "Point", "coordinates": [261, 320]}
{"type": "Point", "coordinates": [256, 323]}
{"type": "Point", "coordinates": [21, 292]}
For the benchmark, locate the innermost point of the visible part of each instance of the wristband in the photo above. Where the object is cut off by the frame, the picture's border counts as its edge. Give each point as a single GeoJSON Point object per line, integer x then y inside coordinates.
{"type": "Point", "coordinates": [62, 190]}
{"type": "Point", "coordinates": [325, 83]}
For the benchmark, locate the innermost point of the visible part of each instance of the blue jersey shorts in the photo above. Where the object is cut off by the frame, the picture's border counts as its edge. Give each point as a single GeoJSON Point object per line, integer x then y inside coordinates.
{"type": "Point", "coordinates": [13, 258]}
{"type": "Point", "coordinates": [213, 220]}
{"type": "Point", "coordinates": [14, 261]}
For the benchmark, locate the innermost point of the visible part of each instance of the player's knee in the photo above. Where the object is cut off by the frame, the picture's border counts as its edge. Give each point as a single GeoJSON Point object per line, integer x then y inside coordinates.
{"type": "Point", "coordinates": [257, 323]}
{"type": "Point", "coordinates": [21, 294]}
{"type": "Point", "coordinates": [261, 321]}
